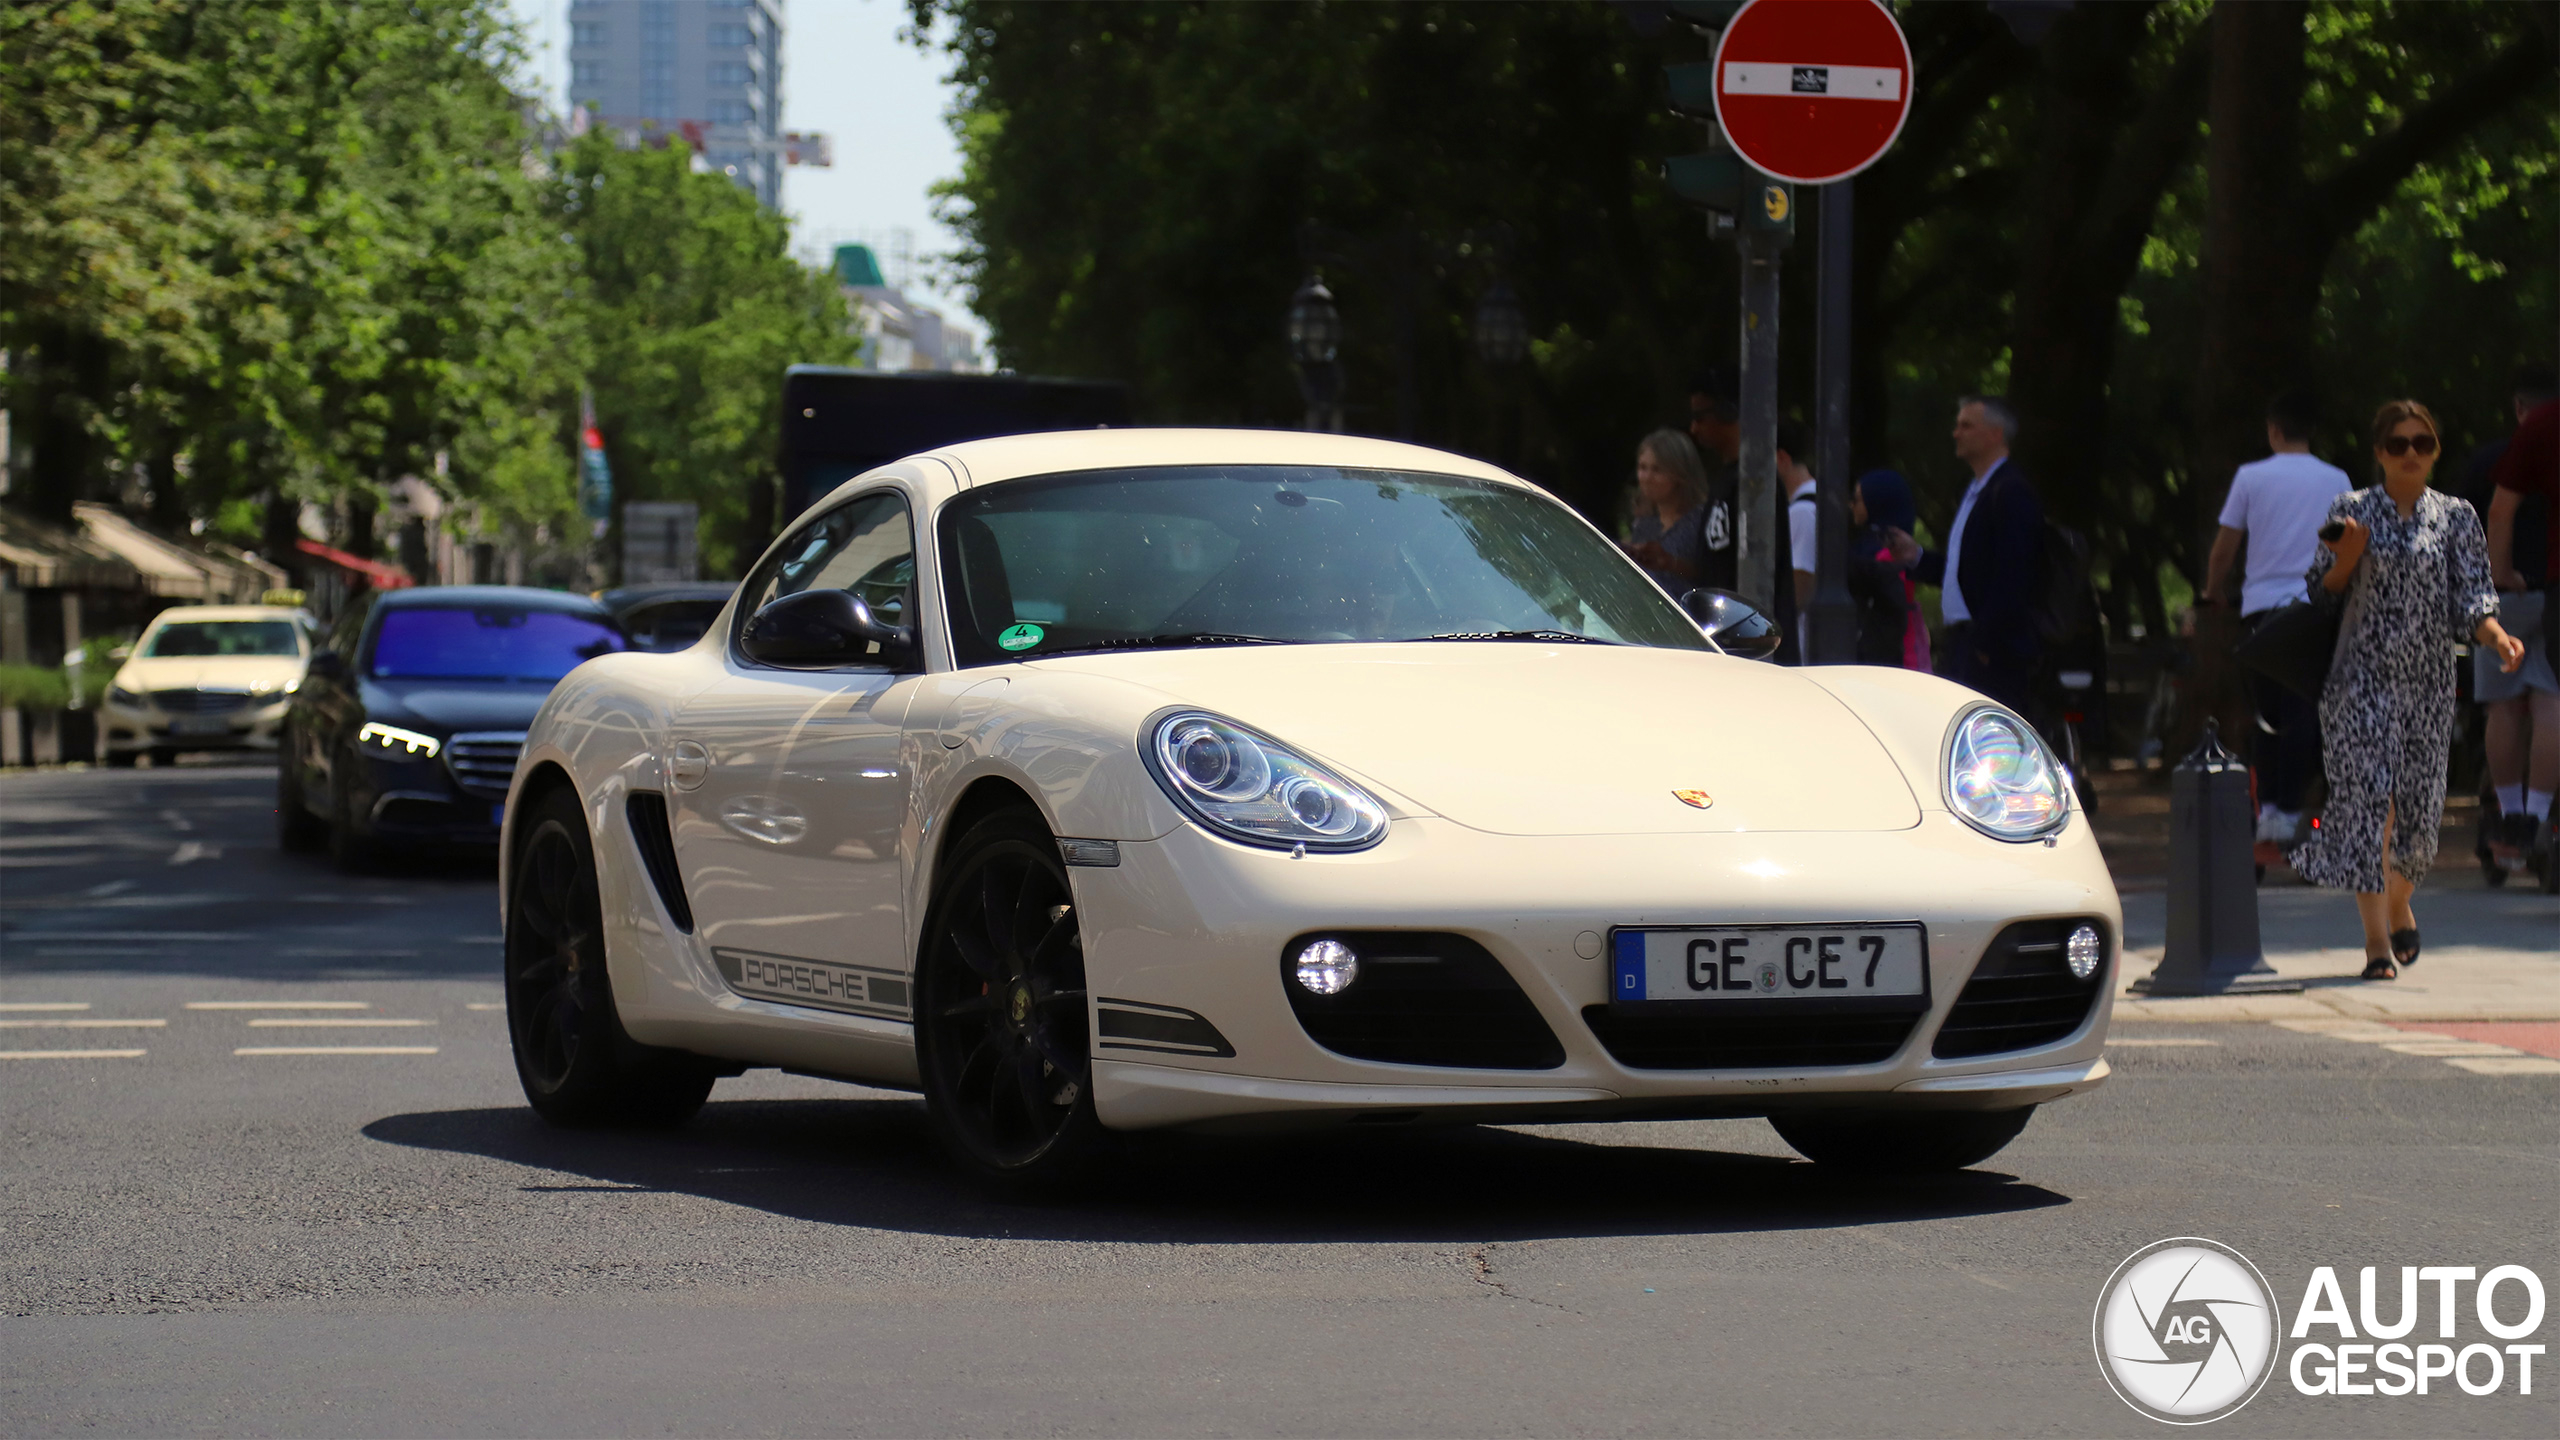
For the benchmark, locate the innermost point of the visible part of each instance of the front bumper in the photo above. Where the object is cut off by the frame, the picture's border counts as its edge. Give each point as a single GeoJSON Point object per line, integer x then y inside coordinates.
{"type": "Point", "coordinates": [423, 800]}
{"type": "Point", "coordinates": [140, 728]}
{"type": "Point", "coordinates": [1197, 924]}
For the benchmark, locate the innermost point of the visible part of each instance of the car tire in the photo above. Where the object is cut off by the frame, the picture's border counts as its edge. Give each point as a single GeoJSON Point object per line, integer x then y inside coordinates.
{"type": "Point", "coordinates": [162, 758]}
{"type": "Point", "coordinates": [1900, 1142]}
{"type": "Point", "coordinates": [1002, 1040]}
{"type": "Point", "coordinates": [580, 1069]}
{"type": "Point", "coordinates": [353, 851]}
{"type": "Point", "coordinates": [297, 829]}
{"type": "Point", "coordinates": [122, 759]}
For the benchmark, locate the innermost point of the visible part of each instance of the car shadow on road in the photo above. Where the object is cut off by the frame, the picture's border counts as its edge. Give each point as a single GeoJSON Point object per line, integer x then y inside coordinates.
{"type": "Point", "coordinates": [872, 1163]}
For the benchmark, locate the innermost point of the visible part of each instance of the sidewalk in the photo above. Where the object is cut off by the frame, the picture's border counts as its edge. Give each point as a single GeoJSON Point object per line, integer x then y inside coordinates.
{"type": "Point", "coordinates": [2490, 954]}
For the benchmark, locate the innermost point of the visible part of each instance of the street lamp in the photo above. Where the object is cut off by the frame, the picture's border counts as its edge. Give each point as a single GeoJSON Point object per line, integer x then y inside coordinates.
{"type": "Point", "coordinates": [1502, 332]}
{"type": "Point", "coordinates": [1315, 343]}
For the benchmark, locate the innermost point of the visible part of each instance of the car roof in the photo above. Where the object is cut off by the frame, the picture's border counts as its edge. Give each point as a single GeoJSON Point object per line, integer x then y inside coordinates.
{"type": "Point", "coordinates": [460, 597]}
{"type": "Point", "coordinates": [190, 614]}
{"type": "Point", "coordinates": [632, 597]}
{"type": "Point", "coordinates": [1012, 457]}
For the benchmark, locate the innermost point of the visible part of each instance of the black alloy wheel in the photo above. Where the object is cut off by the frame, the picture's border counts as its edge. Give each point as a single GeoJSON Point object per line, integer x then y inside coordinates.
{"type": "Point", "coordinates": [354, 852]}
{"type": "Point", "coordinates": [297, 829]}
{"type": "Point", "coordinates": [1002, 1034]}
{"type": "Point", "coordinates": [1900, 1142]}
{"type": "Point", "coordinates": [577, 1064]}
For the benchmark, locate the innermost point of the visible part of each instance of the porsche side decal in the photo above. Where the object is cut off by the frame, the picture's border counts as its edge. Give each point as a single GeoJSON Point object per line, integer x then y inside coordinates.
{"type": "Point", "coordinates": [815, 984]}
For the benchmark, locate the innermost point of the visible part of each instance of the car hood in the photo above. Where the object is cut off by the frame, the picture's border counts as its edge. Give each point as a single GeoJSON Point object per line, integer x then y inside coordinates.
{"type": "Point", "coordinates": [1520, 738]}
{"type": "Point", "coordinates": [452, 706]}
{"type": "Point", "coordinates": [209, 672]}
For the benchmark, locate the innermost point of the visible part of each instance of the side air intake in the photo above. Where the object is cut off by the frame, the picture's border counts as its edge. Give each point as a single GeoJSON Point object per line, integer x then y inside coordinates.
{"type": "Point", "coordinates": [647, 811]}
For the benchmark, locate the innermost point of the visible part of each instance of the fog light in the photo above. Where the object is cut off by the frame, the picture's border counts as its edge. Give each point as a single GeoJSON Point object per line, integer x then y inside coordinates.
{"type": "Point", "coordinates": [1327, 967]}
{"type": "Point", "coordinates": [2085, 952]}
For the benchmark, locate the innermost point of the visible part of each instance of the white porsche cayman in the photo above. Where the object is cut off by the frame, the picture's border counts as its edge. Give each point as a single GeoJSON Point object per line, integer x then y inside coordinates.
{"type": "Point", "coordinates": [1120, 780]}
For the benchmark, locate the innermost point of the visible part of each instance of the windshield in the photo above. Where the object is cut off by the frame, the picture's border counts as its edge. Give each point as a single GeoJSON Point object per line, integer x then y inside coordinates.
{"type": "Point", "coordinates": [1229, 554]}
{"type": "Point", "coordinates": [224, 637]}
{"type": "Point", "coordinates": [487, 644]}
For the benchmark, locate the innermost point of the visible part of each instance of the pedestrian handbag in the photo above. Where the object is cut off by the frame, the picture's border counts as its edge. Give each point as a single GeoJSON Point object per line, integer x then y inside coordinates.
{"type": "Point", "coordinates": [2295, 643]}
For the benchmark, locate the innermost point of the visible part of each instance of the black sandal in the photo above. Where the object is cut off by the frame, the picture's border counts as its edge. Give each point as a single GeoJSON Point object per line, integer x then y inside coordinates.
{"type": "Point", "coordinates": [2404, 946]}
{"type": "Point", "coordinates": [2379, 967]}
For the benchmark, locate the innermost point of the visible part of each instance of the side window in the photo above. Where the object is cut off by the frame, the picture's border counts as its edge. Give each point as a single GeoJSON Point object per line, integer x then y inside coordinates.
{"type": "Point", "coordinates": [864, 545]}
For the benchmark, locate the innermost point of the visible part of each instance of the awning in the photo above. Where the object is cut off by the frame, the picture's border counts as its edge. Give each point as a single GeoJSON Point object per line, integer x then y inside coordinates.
{"type": "Point", "coordinates": [42, 557]}
{"type": "Point", "coordinates": [377, 574]}
{"type": "Point", "coordinates": [177, 569]}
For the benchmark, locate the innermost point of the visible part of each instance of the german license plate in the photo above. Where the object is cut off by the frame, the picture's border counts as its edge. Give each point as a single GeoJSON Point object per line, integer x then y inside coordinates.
{"type": "Point", "coordinates": [199, 724]}
{"type": "Point", "coordinates": [1768, 962]}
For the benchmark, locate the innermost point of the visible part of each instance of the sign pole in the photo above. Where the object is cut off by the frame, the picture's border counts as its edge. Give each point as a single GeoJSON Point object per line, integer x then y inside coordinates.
{"type": "Point", "coordinates": [1834, 617]}
{"type": "Point", "coordinates": [1756, 523]}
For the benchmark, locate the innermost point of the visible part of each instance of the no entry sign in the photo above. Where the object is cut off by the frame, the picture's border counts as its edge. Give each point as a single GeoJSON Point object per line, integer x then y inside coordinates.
{"type": "Point", "coordinates": [1812, 90]}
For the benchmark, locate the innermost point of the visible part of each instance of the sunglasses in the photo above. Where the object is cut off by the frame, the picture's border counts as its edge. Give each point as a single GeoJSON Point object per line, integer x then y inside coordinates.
{"type": "Point", "coordinates": [2397, 445]}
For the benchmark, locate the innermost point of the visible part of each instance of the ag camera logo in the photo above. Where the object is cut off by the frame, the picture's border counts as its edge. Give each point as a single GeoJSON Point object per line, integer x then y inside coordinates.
{"type": "Point", "coordinates": [2186, 1330]}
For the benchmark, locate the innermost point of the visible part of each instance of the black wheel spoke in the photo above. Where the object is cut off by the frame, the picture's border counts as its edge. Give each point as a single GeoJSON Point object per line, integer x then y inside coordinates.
{"type": "Point", "coordinates": [1004, 1003]}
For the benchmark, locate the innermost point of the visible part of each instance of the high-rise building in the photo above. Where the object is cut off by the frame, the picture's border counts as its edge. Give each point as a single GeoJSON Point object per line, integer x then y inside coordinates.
{"type": "Point", "coordinates": [708, 71]}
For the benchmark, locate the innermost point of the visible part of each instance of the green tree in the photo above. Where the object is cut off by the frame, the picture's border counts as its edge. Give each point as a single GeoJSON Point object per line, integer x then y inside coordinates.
{"type": "Point", "coordinates": [690, 307]}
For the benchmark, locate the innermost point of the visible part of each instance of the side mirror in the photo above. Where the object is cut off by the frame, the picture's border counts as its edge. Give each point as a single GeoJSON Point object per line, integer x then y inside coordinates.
{"type": "Point", "coordinates": [822, 629]}
{"type": "Point", "coordinates": [120, 654]}
{"type": "Point", "coordinates": [1732, 624]}
{"type": "Point", "coordinates": [328, 665]}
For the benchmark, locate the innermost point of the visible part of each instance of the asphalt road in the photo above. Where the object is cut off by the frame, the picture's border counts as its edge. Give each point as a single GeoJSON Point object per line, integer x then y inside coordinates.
{"type": "Point", "coordinates": [201, 1238]}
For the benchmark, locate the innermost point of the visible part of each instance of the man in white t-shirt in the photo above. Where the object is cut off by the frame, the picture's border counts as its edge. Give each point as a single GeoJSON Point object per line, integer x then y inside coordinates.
{"type": "Point", "coordinates": [2276, 508]}
{"type": "Point", "coordinates": [1804, 527]}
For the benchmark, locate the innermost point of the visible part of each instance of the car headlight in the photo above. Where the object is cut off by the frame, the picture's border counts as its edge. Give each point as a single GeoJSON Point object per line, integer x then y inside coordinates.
{"type": "Point", "coordinates": [2000, 779]}
{"type": "Point", "coordinates": [1252, 789]}
{"type": "Point", "coordinates": [118, 695]}
{"type": "Point", "coordinates": [405, 744]}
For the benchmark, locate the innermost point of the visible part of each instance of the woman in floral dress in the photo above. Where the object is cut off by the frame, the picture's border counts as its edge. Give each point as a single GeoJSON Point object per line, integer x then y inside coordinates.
{"type": "Point", "coordinates": [2413, 570]}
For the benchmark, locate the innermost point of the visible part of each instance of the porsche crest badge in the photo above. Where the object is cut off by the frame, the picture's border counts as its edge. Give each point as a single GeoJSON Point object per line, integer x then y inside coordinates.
{"type": "Point", "coordinates": [1695, 799]}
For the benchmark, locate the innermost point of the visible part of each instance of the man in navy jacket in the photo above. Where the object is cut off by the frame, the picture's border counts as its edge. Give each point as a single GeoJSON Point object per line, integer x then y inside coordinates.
{"type": "Point", "coordinates": [1991, 571]}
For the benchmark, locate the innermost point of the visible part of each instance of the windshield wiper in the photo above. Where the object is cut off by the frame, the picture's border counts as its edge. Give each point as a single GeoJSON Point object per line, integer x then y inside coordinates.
{"type": "Point", "coordinates": [1169, 642]}
{"type": "Point", "coordinates": [1521, 635]}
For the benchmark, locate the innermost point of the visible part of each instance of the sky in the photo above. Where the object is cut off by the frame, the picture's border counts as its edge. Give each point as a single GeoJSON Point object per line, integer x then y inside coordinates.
{"type": "Point", "coordinates": [846, 73]}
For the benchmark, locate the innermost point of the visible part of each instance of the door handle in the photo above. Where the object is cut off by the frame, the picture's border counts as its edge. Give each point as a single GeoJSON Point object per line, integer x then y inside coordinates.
{"type": "Point", "coordinates": [689, 763]}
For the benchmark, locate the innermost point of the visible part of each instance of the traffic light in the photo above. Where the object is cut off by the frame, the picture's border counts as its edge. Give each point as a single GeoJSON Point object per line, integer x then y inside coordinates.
{"type": "Point", "coordinates": [1717, 180]}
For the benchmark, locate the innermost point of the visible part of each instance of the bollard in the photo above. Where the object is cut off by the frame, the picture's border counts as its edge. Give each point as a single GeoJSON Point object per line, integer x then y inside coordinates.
{"type": "Point", "coordinates": [2213, 883]}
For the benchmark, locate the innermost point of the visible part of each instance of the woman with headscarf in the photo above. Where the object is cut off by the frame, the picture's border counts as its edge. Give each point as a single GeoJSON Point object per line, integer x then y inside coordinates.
{"type": "Point", "coordinates": [2410, 567]}
{"type": "Point", "coordinates": [1891, 629]}
{"type": "Point", "coordinates": [1671, 486]}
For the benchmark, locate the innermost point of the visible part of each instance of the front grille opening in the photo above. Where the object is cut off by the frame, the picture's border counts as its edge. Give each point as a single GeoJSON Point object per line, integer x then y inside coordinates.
{"type": "Point", "coordinates": [1423, 999]}
{"type": "Point", "coordinates": [2022, 993]}
{"type": "Point", "coordinates": [484, 762]}
{"type": "Point", "coordinates": [647, 812]}
{"type": "Point", "coordinates": [1754, 1035]}
{"type": "Point", "coordinates": [199, 702]}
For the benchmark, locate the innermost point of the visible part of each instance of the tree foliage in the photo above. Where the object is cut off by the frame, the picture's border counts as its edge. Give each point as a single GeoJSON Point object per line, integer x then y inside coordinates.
{"type": "Point", "coordinates": [295, 250]}
{"type": "Point", "coordinates": [1134, 176]}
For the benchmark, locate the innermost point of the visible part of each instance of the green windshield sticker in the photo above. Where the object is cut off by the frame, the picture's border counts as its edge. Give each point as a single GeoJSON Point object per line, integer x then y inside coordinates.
{"type": "Point", "coordinates": [1020, 637]}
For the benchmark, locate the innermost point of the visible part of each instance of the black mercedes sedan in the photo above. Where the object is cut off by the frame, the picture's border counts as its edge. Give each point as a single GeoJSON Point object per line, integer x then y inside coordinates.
{"type": "Point", "coordinates": [405, 732]}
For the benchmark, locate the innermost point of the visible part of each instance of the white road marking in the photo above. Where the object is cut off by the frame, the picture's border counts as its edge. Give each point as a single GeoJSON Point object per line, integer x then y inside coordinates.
{"type": "Point", "coordinates": [71, 1054]}
{"type": "Point", "coordinates": [335, 1050]}
{"type": "Point", "coordinates": [48, 1005]}
{"type": "Point", "coordinates": [2480, 1057]}
{"type": "Point", "coordinates": [177, 822]}
{"type": "Point", "coordinates": [169, 935]}
{"type": "Point", "coordinates": [484, 939]}
{"type": "Point", "coordinates": [192, 851]}
{"type": "Point", "coordinates": [278, 1005]}
{"type": "Point", "coordinates": [83, 1024]}
{"type": "Point", "coordinates": [95, 951]}
{"type": "Point", "coordinates": [2508, 1065]}
{"type": "Point", "coordinates": [2182, 1042]}
{"type": "Point", "coordinates": [336, 1023]}
{"type": "Point", "coordinates": [486, 1005]}
{"type": "Point", "coordinates": [2441, 1048]}
{"type": "Point", "coordinates": [112, 887]}
{"type": "Point", "coordinates": [327, 953]}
